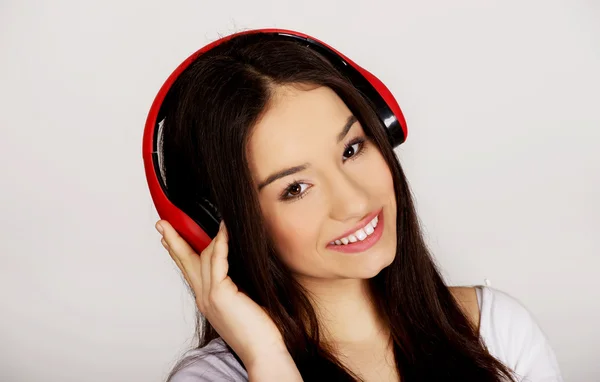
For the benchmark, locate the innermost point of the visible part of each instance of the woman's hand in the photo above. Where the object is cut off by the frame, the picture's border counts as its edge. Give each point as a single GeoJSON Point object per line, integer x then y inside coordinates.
{"type": "Point", "coordinates": [241, 322]}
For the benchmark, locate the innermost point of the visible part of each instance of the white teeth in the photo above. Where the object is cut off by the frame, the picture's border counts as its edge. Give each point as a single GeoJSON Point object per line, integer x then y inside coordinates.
{"type": "Point", "coordinates": [361, 234]}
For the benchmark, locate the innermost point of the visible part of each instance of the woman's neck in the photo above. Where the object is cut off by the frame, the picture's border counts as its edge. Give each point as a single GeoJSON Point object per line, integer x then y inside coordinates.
{"type": "Point", "coordinates": [345, 311]}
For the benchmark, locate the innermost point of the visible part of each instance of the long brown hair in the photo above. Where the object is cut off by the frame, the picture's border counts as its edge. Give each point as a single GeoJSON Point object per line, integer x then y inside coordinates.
{"type": "Point", "coordinates": [212, 108]}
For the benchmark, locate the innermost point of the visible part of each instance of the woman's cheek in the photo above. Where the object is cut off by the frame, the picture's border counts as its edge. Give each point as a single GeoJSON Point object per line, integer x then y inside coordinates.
{"type": "Point", "coordinates": [295, 228]}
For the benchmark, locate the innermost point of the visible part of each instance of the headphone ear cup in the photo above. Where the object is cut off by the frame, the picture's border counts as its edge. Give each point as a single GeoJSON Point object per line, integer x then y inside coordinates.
{"type": "Point", "coordinates": [394, 122]}
{"type": "Point", "coordinates": [206, 215]}
{"type": "Point", "coordinates": [214, 211]}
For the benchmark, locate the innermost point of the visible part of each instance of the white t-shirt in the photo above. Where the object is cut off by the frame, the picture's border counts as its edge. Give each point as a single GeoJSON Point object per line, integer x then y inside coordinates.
{"type": "Point", "coordinates": [506, 326]}
{"type": "Point", "coordinates": [512, 336]}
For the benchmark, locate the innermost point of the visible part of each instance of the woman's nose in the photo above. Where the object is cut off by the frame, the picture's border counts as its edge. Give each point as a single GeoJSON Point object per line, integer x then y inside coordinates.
{"type": "Point", "coordinates": [348, 198]}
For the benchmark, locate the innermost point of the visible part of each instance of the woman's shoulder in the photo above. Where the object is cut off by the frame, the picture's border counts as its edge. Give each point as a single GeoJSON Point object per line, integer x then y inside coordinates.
{"type": "Point", "coordinates": [506, 326]}
{"type": "Point", "coordinates": [493, 310]}
{"type": "Point", "coordinates": [213, 362]}
{"type": "Point", "coordinates": [512, 335]}
{"type": "Point", "coordinates": [468, 302]}
{"type": "Point", "coordinates": [501, 315]}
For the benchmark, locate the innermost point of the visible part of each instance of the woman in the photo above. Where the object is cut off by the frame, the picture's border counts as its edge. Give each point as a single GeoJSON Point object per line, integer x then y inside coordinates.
{"type": "Point", "coordinates": [319, 271]}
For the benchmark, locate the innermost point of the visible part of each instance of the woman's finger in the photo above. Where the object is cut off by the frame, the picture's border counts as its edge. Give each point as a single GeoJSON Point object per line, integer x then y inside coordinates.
{"type": "Point", "coordinates": [205, 259]}
{"type": "Point", "coordinates": [225, 233]}
{"type": "Point", "coordinates": [219, 264]}
{"type": "Point", "coordinates": [177, 262]}
{"type": "Point", "coordinates": [183, 255]}
{"type": "Point", "coordinates": [178, 245]}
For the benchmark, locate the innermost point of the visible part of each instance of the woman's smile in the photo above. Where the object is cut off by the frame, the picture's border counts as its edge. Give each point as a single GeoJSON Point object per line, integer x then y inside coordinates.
{"type": "Point", "coordinates": [361, 238]}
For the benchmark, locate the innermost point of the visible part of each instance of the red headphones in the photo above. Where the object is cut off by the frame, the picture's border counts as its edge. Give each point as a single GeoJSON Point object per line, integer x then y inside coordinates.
{"type": "Point", "coordinates": [198, 230]}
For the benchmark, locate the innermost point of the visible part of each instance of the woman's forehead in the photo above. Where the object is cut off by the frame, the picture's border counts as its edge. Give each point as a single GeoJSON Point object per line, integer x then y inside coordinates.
{"type": "Point", "coordinates": [297, 124]}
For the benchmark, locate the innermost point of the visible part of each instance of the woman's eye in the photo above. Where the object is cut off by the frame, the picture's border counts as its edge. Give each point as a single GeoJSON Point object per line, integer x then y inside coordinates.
{"type": "Point", "coordinates": [352, 150]}
{"type": "Point", "coordinates": [295, 190]}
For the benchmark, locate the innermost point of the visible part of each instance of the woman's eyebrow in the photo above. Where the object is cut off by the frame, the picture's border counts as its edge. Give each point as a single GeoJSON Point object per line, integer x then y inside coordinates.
{"type": "Point", "coordinates": [351, 120]}
{"type": "Point", "coordinates": [292, 170]}
{"type": "Point", "coordinates": [281, 174]}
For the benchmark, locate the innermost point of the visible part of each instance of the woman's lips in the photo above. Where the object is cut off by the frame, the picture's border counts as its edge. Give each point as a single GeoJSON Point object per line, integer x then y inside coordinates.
{"type": "Point", "coordinates": [360, 224]}
{"type": "Point", "coordinates": [361, 246]}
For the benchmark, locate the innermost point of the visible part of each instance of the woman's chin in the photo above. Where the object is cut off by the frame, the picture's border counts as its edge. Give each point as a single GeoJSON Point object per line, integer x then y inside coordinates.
{"type": "Point", "coordinates": [372, 267]}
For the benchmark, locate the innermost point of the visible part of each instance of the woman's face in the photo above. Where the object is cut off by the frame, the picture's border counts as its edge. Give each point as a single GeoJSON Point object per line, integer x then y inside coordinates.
{"type": "Point", "coordinates": [325, 190]}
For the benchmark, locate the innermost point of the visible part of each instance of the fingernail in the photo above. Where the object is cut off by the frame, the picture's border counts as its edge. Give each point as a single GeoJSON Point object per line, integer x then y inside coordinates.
{"type": "Point", "coordinates": [221, 225]}
{"type": "Point", "coordinates": [159, 228]}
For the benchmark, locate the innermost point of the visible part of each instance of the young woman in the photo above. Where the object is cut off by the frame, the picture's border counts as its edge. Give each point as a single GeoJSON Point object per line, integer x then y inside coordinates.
{"type": "Point", "coordinates": [319, 271]}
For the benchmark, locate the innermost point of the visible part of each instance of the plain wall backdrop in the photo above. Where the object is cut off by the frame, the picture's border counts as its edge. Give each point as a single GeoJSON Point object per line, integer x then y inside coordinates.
{"type": "Point", "coordinates": [502, 101]}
